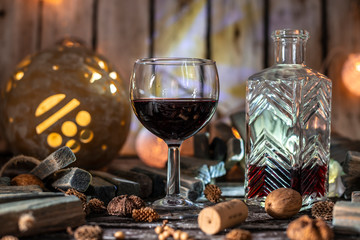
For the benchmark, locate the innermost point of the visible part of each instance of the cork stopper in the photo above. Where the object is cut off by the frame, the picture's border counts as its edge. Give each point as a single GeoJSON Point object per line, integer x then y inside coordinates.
{"type": "Point", "coordinates": [214, 219]}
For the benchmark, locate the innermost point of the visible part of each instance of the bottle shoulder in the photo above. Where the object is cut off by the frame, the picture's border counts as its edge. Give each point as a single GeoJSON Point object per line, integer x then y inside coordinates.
{"type": "Point", "coordinates": [288, 72]}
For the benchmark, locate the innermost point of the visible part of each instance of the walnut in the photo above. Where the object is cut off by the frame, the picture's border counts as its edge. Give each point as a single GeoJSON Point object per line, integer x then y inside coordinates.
{"type": "Point", "coordinates": [323, 210]}
{"type": "Point", "coordinates": [95, 206]}
{"type": "Point", "coordinates": [124, 205]}
{"type": "Point", "coordinates": [146, 214]}
{"type": "Point", "coordinates": [238, 234]}
{"type": "Point", "coordinates": [283, 203]}
{"type": "Point", "coordinates": [26, 180]}
{"type": "Point", "coordinates": [305, 228]}
{"type": "Point", "coordinates": [212, 193]}
{"type": "Point", "coordinates": [88, 232]}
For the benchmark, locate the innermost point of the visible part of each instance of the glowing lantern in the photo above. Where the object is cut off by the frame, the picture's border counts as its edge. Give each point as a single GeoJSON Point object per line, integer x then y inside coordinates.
{"type": "Point", "coordinates": [351, 74]}
{"type": "Point", "coordinates": [66, 96]}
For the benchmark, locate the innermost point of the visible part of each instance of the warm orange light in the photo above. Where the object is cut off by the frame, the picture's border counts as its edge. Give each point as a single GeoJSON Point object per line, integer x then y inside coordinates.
{"type": "Point", "coordinates": [150, 149]}
{"type": "Point", "coordinates": [54, 139]}
{"type": "Point", "coordinates": [48, 104]}
{"type": "Point", "coordinates": [235, 133]}
{"type": "Point", "coordinates": [351, 74]}
{"type": "Point", "coordinates": [74, 103]}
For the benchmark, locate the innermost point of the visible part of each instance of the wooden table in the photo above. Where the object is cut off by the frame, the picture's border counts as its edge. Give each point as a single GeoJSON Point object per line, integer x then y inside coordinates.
{"type": "Point", "coordinates": [261, 225]}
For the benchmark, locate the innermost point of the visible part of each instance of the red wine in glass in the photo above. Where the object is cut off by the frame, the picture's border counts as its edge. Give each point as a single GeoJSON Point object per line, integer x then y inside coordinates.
{"type": "Point", "coordinates": [174, 98]}
{"type": "Point", "coordinates": [174, 119]}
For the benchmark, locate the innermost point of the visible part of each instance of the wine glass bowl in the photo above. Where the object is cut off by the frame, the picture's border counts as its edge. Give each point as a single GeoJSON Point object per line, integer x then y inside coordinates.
{"type": "Point", "coordinates": [174, 98]}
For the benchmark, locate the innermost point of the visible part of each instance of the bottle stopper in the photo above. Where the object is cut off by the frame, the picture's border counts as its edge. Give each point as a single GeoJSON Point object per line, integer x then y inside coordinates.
{"type": "Point", "coordinates": [216, 218]}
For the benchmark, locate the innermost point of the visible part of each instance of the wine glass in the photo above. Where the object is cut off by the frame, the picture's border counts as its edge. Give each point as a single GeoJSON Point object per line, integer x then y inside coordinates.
{"type": "Point", "coordinates": [174, 98]}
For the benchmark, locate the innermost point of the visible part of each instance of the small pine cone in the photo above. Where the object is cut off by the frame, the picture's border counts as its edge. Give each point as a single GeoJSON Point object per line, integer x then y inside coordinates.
{"type": "Point", "coordinates": [212, 193]}
{"type": "Point", "coordinates": [95, 206]}
{"type": "Point", "coordinates": [76, 193]}
{"type": "Point", "coordinates": [88, 232]}
{"type": "Point", "coordinates": [9, 237]}
{"type": "Point", "coordinates": [323, 210]}
{"type": "Point", "coordinates": [146, 214]}
{"type": "Point", "coordinates": [238, 234]}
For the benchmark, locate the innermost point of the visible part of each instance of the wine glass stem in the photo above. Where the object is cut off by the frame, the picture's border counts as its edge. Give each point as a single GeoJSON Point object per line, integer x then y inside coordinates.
{"type": "Point", "coordinates": [173, 174]}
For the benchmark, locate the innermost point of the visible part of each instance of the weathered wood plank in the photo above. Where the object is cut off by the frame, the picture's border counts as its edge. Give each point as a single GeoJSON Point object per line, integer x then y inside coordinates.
{"type": "Point", "coordinates": [66, 18]}
{"type": "Point", "coordinates": [12, 197]}
{"type": "Point", "coordinates": [298, 14]}
{"type": "Point", "coordinates": [237, 47]}
{"type": "Point", "coordinates": [343, 37]}
{"type": "Point", "coordinates": [123, 37]}
{"type": "Point", "coordinates": [50, 214]}
{"type": "Point", "coordinates": [18, 38]}
{"type": "Point", "coordinates": [346, 217]}
{"type": "Point", "coordinates": [20, 189]}
{"type": "Point", "coordinates": [180, 28]}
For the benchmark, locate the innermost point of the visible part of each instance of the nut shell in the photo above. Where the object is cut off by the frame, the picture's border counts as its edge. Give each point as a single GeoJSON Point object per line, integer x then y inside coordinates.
{"type": "Point", "coordinates": [283, 203]}
{"type": "Point", "coordinates": [26, 180]}
{"type": "Point", "coordinates": [305, 228]}
{"type": "Point", "coordinates": [124, 205]}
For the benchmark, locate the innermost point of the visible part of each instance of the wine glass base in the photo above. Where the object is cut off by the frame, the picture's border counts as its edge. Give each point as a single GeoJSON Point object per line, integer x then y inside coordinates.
{"type": "Point", "coordinates": [176, 208]}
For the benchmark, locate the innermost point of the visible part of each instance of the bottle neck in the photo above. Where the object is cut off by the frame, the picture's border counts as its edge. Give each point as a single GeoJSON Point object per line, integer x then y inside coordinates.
{"type": "Point", "coordinates": [290, 51]}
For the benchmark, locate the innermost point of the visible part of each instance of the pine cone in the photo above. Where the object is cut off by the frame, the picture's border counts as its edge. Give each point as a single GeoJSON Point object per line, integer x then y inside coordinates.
{"type": "Point", "coordinates": [146, 214]}
{"type": "Point", "coordinates": [238, 234]}
{"type": "Point", "coordinates": [9, 237]}
{"type": "Point", "coordinates": [124, 205]}
{"type": "Point", "coordinates": [323, 210]}
{"type": "Point", "coordinates": [88, 232]}
{"type": "Point", "coordinates": [212, 193]}
{"type": "Point", "coordinates": [95, 206]}
{"type": "Point", "coordinates": [76, 193]}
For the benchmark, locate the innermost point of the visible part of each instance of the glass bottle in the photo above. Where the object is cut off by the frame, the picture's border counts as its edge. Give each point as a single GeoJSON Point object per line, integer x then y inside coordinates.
{"type": "Point", "coordinates": [288, 117]}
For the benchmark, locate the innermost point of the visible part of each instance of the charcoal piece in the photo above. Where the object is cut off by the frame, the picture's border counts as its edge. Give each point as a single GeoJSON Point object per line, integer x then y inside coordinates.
{"type": "Point", "coordinates": [101, 189]}
{"type": "Point", "coordinates": [4, 181]}
{"type": "Point", "coordinates": [146, 184]}
{"type": "Point", "coordinates": [123, 186]}
{"type": "Point", "coordinates": [75, 178]}
{"type": "Point", "coordinates": [221, 130]}
{"type": "Point", "coordinates": [55, 161]}
{"type": "Point", "coordinates": [201, 145]}
{"type": "Point", "coordinates": [355, 196]}
{"type": "Point", "coordinates": [218, 149]}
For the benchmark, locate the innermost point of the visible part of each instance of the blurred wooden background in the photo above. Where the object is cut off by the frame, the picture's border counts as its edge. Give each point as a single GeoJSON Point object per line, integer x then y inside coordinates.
{"type": "Point", "coordinates": [235, 33]}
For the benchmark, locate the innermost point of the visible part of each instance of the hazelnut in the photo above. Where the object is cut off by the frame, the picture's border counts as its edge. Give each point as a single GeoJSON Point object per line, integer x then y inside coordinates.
{"type": "Point", "coordinates": [177, 234]}
{"type": "Point", "coordinates": [305, 228]}
{"type": "Point", "coordinates": [238, 234]}
{"type": "Point", "coordinates": [119, 235]}
{"type": "Point", "coordinates": [283, 203]}
{"type": "Point", "coordinates": [159, 230]}
{"type": "Point", "coordinates": [184, 236]}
